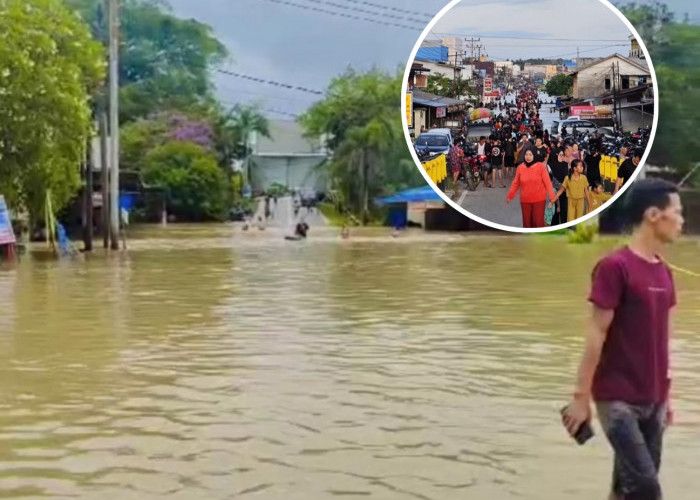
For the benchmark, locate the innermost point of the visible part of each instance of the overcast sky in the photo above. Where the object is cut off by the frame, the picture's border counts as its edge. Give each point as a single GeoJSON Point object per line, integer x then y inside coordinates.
{"type": "Point", "coordinates": [522, 29]}
{"type": "Point", "coordinates": [275, 40]}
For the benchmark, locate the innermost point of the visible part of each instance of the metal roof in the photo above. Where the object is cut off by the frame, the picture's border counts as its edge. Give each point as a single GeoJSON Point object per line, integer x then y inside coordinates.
{"type": "Point", "coordinates": [436, 54]}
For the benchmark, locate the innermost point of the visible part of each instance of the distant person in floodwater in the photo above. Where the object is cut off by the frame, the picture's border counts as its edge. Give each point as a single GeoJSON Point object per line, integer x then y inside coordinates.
{"type": "Point", "coordinates": [301, 230]}
{"type": "Point", "coordinates": [345, 232]}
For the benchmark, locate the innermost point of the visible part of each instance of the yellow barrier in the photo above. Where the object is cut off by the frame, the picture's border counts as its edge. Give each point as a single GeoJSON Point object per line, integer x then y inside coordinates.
{"type": "Point", "coordinates": [608, 168]}
{"type": "Point", "coordinates": [436, 169]}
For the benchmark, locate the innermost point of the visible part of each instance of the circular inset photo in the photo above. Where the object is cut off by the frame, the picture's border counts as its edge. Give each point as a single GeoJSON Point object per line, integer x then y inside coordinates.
{"type": "Point", "coordinates": [528, 116]}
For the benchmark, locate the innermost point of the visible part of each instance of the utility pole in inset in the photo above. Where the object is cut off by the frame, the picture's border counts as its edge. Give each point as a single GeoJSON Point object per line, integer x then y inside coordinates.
{"type": "Point", "coordinates": [619, 104]}
{"type": "Point", "coordinates": [614, 89]}
{"type": "Point", "coordinates": [454, 81]}
{"type": "Point", "coordinates": [471, 44]}
{"type": "Point", "coordinates": [114, 121]}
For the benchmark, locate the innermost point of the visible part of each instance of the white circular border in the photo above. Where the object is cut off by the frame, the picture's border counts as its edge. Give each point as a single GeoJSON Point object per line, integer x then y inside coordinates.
{"type": "Point", "coordinates": [446, 199]}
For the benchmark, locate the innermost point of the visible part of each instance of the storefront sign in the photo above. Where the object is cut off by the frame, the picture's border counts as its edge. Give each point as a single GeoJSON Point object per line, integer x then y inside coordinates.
{"type": "Point", "coordinates": [409, 109]}
{"type": "Point", "coordinates": [582, 110]}
{"type": "Point", "coordinates": [440, 112]}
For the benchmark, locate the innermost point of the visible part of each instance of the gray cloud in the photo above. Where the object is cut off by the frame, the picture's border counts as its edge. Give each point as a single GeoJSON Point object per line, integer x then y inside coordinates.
{"type": "Point", "coordinates": [288, 44]}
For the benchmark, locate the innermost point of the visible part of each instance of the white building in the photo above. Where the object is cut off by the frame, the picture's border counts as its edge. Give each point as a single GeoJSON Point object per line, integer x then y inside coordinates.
{"type": "Point", "coordinates": [448, 70]}
{"type": "Point", "coordinates": [454, 45]}
{"type": "Point", "coordinates": [598, 79]}
{"type": "Point", "coordinates": [287, 158]}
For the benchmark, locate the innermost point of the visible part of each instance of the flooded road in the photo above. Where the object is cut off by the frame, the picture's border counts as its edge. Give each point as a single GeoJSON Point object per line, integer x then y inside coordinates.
{"type": "Point", "coordinates": [205, 363]}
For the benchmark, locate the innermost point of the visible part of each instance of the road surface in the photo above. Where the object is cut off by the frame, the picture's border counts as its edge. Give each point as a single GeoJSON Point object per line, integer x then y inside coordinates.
{"type": "Point", "coordinates": [490, 204]}
{"type": "Point", "coordinates": [283, 214]}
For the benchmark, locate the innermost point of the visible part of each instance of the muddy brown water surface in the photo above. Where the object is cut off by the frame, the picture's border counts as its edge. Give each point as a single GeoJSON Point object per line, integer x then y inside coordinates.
{"type": "Point", "coordinates": [207, 363]}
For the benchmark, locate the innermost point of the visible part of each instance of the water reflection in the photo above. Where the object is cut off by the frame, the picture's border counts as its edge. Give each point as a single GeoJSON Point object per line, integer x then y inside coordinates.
{"type": "Point", "coordinates": [206, 363]}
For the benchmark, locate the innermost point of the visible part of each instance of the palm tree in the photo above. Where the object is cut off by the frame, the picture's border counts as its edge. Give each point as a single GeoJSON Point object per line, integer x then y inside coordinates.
{"type": "Point", "coordinates": [247, 120]}
{"type": "Point", "coordinates": [359, 160]}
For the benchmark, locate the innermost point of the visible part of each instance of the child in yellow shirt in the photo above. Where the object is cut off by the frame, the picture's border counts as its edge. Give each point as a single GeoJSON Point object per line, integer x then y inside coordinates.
{"type": "Point", "coordinates": [598, 197]}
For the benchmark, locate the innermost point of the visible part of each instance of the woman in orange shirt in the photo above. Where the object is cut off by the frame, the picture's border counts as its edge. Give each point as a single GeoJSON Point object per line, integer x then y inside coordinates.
{"type": "Point", "coordinates": [532, 179]}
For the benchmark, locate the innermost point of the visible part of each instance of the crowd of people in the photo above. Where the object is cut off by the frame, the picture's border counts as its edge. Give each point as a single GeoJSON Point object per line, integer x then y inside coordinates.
{"type": "Point", "coordinates": [558, 180]}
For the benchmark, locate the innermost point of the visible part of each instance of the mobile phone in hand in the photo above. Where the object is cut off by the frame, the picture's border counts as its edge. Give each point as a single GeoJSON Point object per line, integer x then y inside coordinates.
{"type": "Point", "coordinates": [585, 430]}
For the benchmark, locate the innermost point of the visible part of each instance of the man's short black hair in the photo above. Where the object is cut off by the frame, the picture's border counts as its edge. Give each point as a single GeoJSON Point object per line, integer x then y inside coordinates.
{"type": "Point", "coordinates": [637, 153]}
{"type": "Point", "coordinates": [482, 138]}
{"type": "Point", "coordinates": [646, 194]}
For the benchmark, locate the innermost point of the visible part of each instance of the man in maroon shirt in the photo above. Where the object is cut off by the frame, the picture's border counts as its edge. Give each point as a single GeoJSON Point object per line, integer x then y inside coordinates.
{"type": "Point", "coordinates": [625, 365]}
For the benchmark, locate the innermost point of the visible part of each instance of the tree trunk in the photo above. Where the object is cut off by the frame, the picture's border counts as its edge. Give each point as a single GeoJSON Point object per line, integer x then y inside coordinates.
{"type": "Point", "coordinates": [365, 189]}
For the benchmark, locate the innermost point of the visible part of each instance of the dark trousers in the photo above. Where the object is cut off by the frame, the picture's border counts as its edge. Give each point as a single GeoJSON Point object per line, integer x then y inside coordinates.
{"type": "Point", "coordinates": [563, 216]}
{"type": "Point", "coordinates": [635, 433]}
{"type": "Point", "coordinates": [533, 214]}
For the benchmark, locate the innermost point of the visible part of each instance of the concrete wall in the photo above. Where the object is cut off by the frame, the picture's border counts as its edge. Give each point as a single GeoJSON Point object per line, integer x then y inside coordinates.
{"type": "Point", "coordinates": [590, 82]}
{"type": "Point", "coordinates": [632, 119]}
{"type": "Point", "coordinates": [291, 171]}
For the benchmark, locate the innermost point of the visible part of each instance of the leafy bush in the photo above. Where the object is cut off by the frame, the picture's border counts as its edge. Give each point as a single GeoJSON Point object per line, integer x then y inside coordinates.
{"type": "Point", "coordinates": [584, 233]}
{"type": "Point", "coordinates": [198, 188]}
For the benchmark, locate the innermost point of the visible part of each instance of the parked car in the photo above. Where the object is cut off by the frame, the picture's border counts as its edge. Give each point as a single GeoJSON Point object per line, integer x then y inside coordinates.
{"type": "Point", "coordinates": [432, 143]}
{"type": "Point", "coordinates": [581, 126]}
{"type": "Point", "coordinates": [444, 131]}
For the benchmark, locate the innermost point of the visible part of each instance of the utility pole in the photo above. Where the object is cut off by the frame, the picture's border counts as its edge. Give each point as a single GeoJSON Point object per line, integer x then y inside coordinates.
{"type": "Point", "coordinates": [619, 104]}
{"type": "Point", "coordinates": [454, 82]}
{"type": "Point", "coordinates": [614, 89]}
{"type": "Point", "coordinates": [87, 206]}
{"type": "Point", "coordinates": [104, 162]}
{"type": "Point", "coordinates": [471, 44]}
{"type": "Point", "coordinates": [114, 120]}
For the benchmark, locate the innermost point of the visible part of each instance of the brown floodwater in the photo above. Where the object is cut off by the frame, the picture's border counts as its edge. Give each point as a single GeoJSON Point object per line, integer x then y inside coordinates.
{"type": "Point", "coordinates": [208, 363]}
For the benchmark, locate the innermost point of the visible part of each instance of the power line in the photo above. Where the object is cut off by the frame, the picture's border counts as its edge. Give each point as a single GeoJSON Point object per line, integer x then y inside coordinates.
{"type": "Point", "coordinates": [268, 110]}
{"type": "Point", "coordinates": [395, 9]}
{"type": "Point", "coordinates": [341, 14]}
{"type": "Point", "coordinates": [373, 13]}
{"type": "Point", "coordinates": [559, 45]}
{"type": "Point", "coordinates": [263, 95]}
{"type": "Point", "coordinates": [583, 51]}
{"type": "Point", "coordinates": [531, 38]}
{"type": "Point", "coordinates": [268, 82]}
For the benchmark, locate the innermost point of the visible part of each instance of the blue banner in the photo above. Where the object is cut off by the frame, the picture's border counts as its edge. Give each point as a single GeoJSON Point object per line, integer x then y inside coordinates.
{"type": "Point", "coordinates": [7, 234]}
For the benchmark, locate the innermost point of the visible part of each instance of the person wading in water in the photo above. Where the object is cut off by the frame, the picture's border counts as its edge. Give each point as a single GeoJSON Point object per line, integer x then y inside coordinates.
{"type": "Point", "coordinates": [625, 364]}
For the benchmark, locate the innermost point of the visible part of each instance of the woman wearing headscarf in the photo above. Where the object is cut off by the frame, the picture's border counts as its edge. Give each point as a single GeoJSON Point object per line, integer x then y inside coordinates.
{"type": "Point", "coordinates": [532, 180]}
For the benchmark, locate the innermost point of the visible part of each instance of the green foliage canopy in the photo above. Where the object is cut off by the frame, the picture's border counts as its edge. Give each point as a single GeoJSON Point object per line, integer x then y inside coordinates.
{"type": "Point", "coordinates": [197, 187]}
{"type": "Point", "coordinates": [49, 67]}
{"type": "Point", "coordinates": [360, 116]}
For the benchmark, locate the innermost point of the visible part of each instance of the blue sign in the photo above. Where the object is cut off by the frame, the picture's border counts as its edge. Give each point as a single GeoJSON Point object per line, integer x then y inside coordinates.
{"type": "Point", "coordinates": [126, 201]}
{"type": "Point", "coordinates": [7, 234]}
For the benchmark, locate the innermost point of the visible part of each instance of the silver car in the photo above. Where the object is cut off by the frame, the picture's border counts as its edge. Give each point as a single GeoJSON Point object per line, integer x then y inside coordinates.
{"type": "Point", "coordinates": [581, 126]}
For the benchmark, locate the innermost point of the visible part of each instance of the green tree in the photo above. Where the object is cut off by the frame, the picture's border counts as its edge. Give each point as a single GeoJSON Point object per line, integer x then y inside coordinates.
{"type": "Point", "coordinates": [443, 85]}
{"type": "Point", "coordinates": [243, 122]}
{"type": "Point", "coordinates": [139, 138]}
{"type": "Point", "coordinates": [370, 155]}
{"type": "Point", "coordinates": [165, 61]}
{"type": "Point", "coordinates": [560, 85]}
{"type": "Point", "coordinates": [198, 188]}
{"type": "Point", "coordinates": [650, 20]}
{"type": "Point", "coordinates": [674, 47]}
{"type": "Point", "coordinates": [49, 66]}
